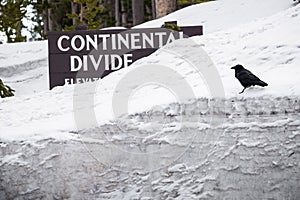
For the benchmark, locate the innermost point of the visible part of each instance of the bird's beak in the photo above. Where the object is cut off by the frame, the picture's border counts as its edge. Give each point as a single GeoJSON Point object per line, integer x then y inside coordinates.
{"type": "Point", "coordinates": [232, 68]}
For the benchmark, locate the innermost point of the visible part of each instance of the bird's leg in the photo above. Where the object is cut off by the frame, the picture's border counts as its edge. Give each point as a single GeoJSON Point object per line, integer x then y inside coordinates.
{"type": "Point", "coordinates": [242, 90]}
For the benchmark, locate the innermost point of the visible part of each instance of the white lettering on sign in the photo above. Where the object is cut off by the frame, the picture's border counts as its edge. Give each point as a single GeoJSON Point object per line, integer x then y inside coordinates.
{"type": "Point", "coordinates": [135, 40]}
{"type": "Point", "coordinates": [105, 48]}
{"type": "Point", "coordinates": [127, 59]}
{"type": "Point", "coordinates": [95, 63]}
{"type": "Point", "coordinates": [111, 62]}
{"type": "Point", "coordinates": [59, 43]}
{"type": "Point", "coordinates": [91, 42]}
{"type": "Point", "coordinates": [147, 40]}
{"type": "Point", "coordinates": [70, 81]}
{"type": "Point", "coordinates": [130, 41]}
{"type": "Point", "coordinates": [75, 60]}
{"type": "Point", "coordinates": [160, 38]}
{"type": "Point", "coordinates": [81, 43]}
{"type": "Point", "coordinates": [104, 38]}
{"type": "Point", "coordinates": [124, 41]}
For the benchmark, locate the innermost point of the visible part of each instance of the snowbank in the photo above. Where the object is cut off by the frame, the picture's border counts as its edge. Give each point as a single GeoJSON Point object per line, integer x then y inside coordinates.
{"type": "Point", "coordinates": [240, 146]}
{"type": "Point", "coordinates": [265, 41]}
{"type": "Point", "coordinates": [222, 14]}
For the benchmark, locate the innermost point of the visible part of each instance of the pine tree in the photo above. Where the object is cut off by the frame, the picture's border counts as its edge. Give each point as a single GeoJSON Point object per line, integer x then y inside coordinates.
{"type": "Point", "coordinates": [5, 90]}
{"type": "Point", "coordinates": [39, 19]}
{"type": "Point", "coordinates": [58, 15]}
{"type": "Point", "coordinates": [90, 13]}
{"type": "Point", "coordinates": [49, 15]}
{"type": "Point", "coordinates": [11, 14]}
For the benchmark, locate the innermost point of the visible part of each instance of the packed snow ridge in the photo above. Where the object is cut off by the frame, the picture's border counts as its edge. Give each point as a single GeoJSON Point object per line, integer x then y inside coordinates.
{"type": "Point", "coordinates": [263, 40]}
{"type": "Point", "coordinates": [200, 147]}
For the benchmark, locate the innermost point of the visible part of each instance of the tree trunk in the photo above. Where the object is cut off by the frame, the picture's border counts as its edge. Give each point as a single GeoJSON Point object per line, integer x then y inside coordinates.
{"type": "Point", "coordinates": [74, 8]}
{"type": "Point", "coordinates": [164, 7]}
{"type": "Point", "coordinates": [50, 22]}
{"type": "Point", "coordinates": [81, 12]}
{"type": "Point", "coordinates": [153, 9]}
{"type": "Point", "coordinates": [137, 11]}
{"type": "Point", "coordinates": [18, 33]}
{"type": "Point", "coordinates": [123, 13]}
{"type": "Point", "coordinates": [110, 4]}
{"type": "Point", "coordinates": [45, 19]}
{"type": "Point", "coordinates": [117, 12]}
{"type": "Point", "coordinates": [103, 21]}
{"type": "Point", "coordinates": [7, 33]}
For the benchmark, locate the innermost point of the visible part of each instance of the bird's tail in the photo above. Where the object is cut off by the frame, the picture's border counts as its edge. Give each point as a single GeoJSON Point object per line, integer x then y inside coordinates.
{"type": "Point", "coordinates": [261, 83]}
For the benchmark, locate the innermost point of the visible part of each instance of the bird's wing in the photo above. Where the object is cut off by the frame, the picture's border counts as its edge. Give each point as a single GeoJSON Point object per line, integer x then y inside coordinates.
{"type": "Point", "coordinates": [247, 78]}
{"type": "Point", "coordinates": [253, 77]}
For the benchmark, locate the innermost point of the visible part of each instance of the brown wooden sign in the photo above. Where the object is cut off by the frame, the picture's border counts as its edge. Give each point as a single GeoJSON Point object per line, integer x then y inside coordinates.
{"type": "Point", "coordinates": [83, 56]}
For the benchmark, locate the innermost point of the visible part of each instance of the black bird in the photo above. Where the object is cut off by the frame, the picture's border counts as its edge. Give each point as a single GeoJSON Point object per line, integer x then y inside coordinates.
{"type": "Point", "coordinates": [246, 78]}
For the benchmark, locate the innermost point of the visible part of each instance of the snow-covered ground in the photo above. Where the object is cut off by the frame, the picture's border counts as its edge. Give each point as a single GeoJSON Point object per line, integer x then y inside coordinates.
{"type": "Point", "coordinates": [252, 141]}
{"type": "Point", "coordinates": [222, 14]}
{"type": "Point", "coordinates": [267, 43]}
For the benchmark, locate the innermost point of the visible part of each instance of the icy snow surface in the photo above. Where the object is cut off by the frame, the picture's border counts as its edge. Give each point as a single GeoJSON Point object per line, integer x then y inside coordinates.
{"type": "Point", "coordinates": [240, 147]}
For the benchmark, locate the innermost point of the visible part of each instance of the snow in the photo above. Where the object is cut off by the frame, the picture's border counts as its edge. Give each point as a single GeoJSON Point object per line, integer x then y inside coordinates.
{"type": "Point", "coordinates": [20, 53]}
{"type": "Point", "coordinates": [238, 135]}
{"type": "Point", "coordinates": [264, 41]}
{"type": "Point", "coordinates": [222, 14]}
{"type": "Point", "coordinates": [15, 159]}
{"type": "Point", "coordinates": [113, 28]}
